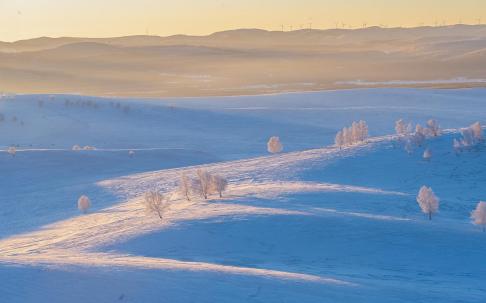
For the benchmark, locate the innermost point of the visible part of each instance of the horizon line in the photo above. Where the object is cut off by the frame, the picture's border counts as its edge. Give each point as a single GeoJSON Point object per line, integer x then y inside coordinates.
{"type": "Point", "coordinates": [248, 29]}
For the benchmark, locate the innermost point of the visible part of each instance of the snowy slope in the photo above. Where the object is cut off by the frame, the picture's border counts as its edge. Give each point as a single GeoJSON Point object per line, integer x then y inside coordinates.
{"type": "Point", "coordinates": [320, 225]}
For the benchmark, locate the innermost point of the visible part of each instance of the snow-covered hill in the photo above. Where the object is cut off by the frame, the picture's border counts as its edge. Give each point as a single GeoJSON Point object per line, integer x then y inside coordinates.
{"type": "Point", "coordinates": [316, 224]}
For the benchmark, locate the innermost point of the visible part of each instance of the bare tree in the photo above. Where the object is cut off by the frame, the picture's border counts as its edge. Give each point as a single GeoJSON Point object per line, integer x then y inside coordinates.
{"type": "Point", "coordinates": [204, 182]}
{"type": "Point", "coordinates": [219, 184]}
{"type": "Point", "coordinates": [185, 186]}
{"type": "Point", "coordinates": [479, 215]}
{"type": "Point", "coordinates": [84, 204]}
{"type": "Point", "coordinates": [428, 201]}
{"type": "Point", "coordinates": [156, 203]}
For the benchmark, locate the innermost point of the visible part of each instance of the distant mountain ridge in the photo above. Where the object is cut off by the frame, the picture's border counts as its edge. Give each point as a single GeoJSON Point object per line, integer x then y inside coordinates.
{"type": "Point", "coordinates": [255, 35]}
{"type": "Point", "coordinates": [246, 61]}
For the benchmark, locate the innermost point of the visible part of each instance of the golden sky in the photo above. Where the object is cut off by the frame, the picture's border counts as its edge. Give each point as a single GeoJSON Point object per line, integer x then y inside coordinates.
{"type": "Point", "coordinates": [21, 19]}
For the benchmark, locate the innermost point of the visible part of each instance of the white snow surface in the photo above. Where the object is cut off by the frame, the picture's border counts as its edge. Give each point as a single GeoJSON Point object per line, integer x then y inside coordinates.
{"type": "Point", "coordinates": [314, 224]}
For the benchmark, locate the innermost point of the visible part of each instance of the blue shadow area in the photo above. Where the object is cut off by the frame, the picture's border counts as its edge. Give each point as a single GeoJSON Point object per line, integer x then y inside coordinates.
{"type": "Point", "coordinates": [42, 187]}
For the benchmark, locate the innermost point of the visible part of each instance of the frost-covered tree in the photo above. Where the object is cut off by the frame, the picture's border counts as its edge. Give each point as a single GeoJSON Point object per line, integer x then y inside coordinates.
{"type": "Point", "coordinates": [12, 150]}
{"type": "Point", "coordinates": [274, 145]}
{"type": "Point", "coordinates": [156, 203]}
{"type": "Point", "coordinates": [457, 146]}
{"type": "Point", "coordinates": [339, 139]}
{"type": "Point", "coordinates": [185, 186]}
{"type": "Point", "coordinates": [76, 147]}
{"type": "Point", "coordinates": [204, 182]}
{"type": "Point", "coordinates": [409, 146]}
{"type": "Point", "coordinates": [401, 127]}
{"type": "Point", "coordinates": [427, 154]}
{"type": "Point", "coordinates": [428, 201]}
{"type": "Point", "coordinates": [477, 130]}
{"type": "Point", "coordinates": [418, 138]}
{"type": "Point", "coordinates": [471, 136]}
{"type": "Point", "coordinates": [88, 147]}
{"type": "Point", "coordinates": [131, 153]}
{"type": "Point", "coordinates": [409, 128]}
{"type": "Point", "coordinates": [218, 184]}
{"type": "Point", "coordinates": [357, 132]}
{"type": "Point", "coordinates": [84, 204]}
{"type": "Point", "coordinates": [412, 139]}
{"type": "Point", "coordinates": [362, 131]}
{"type": "Point", "coordinates": [479, 215]}
{"type": "Point", "coordinates": [433, 128]}
{"type": "Point", "coordinates": [468, 139]}
{"type": "Point", "coordinates": [347, 136]}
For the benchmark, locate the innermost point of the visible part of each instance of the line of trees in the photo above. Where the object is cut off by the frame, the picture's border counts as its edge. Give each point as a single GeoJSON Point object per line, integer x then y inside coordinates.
{"type": "Point", "coordinates": [14, 119]}
{"type": "Point", "coordinates": [416, 137]}
{"type": "Point", "coordinates": [432, 128]}
{"type": "Point", "coordinates": [203, 185]}
{"type": "Point", "coordinates": [356, 133]}
{"type": "Point", "coordinates": [471, 137]}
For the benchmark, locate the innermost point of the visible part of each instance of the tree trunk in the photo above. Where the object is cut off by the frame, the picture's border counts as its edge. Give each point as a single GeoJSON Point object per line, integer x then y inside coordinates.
{"type": "Point", "coordinates": [430, 216]}
{"type": "Point", "coordinates": [220, 194]}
